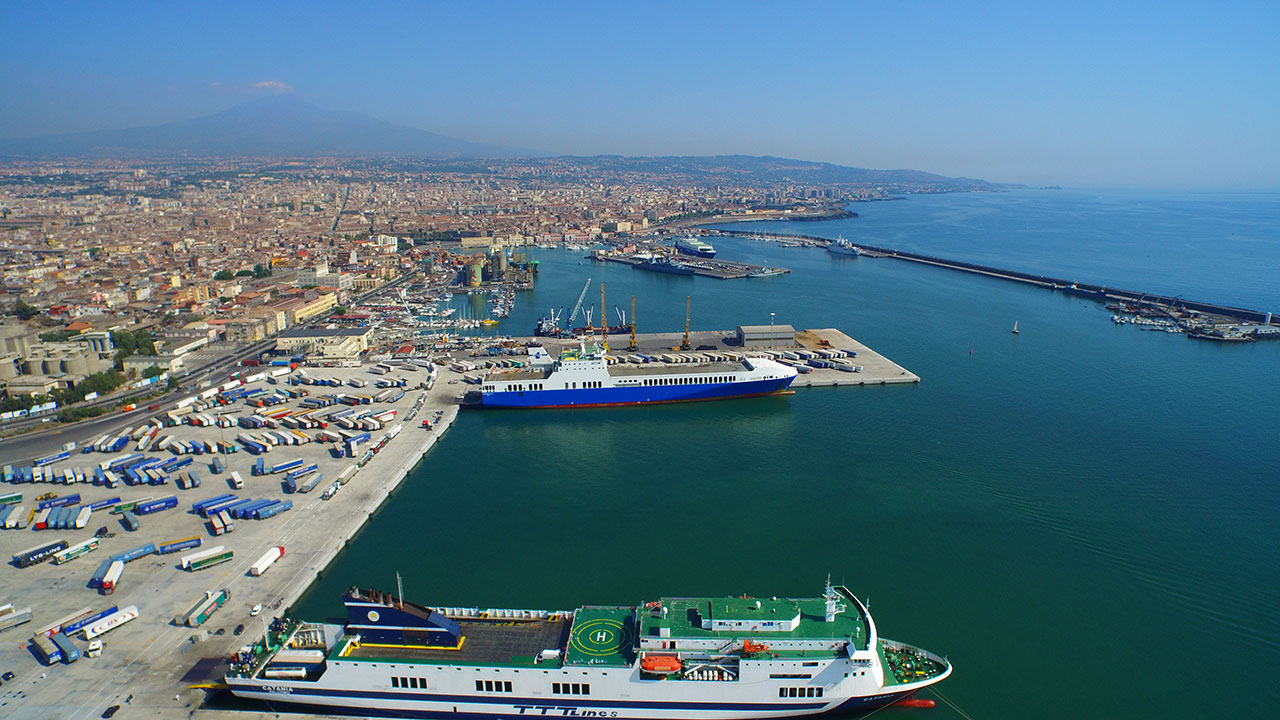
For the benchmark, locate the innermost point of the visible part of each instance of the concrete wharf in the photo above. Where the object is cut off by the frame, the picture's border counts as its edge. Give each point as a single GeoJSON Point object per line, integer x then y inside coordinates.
{"type": "Point", "coordinates": [1090, 290]}
{"type": "Point", "coordinates": [149, 665]}
{"type": "Point", "coordinates": [706, 267]}
{"type": "Point", "coordinates": [152, 659]}
{"type": "Point", "coordinates": [875, 369]}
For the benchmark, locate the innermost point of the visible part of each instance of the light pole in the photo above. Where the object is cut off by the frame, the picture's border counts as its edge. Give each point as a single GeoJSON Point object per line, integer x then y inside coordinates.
{"type": "Point", "coordinates": [771, 329]}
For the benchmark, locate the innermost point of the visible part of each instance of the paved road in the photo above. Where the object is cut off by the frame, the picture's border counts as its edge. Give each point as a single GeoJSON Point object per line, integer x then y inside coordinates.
{"type": "Point", "coordinates": [43, 442]}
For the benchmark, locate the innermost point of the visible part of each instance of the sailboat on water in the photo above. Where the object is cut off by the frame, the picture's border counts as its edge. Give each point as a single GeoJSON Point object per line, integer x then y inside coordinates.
{"type": "Point", "coordinates": [1015, 327]}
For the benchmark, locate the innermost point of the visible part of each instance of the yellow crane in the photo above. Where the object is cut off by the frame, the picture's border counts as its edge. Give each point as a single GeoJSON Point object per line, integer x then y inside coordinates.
{"type": "Point", "coordinates": [688, 301]}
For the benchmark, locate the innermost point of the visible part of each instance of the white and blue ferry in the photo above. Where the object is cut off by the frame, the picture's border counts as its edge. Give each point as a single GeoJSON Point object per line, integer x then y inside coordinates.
{"type": "Point", "coordinates": [582, 377]}
{"type": "Point", "coordinates": [683, 658]}
{"type": "Point", "coordinates": [695, 246]}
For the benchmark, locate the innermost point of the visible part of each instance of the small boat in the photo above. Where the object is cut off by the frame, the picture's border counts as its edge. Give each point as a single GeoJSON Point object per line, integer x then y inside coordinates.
{"type": "Point", "coordinates": [1015, 327]}
{"type": "Point", "coordinates": [663, 664]}
{"type": "Point", "coordinates": [256, 609]}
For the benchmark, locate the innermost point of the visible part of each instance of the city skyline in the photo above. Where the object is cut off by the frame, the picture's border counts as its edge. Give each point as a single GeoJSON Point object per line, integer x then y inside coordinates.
{"type": "Point", "coordinates": [1159, 96]}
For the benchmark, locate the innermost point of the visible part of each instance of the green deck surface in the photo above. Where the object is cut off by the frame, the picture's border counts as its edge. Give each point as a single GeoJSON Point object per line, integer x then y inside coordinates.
{"type": "Point", "coordinates": [684, 618]}
{"type": "Point", "coordinates": [601, 636]}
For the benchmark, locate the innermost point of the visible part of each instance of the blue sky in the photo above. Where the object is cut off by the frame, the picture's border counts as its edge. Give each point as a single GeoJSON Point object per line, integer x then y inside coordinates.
{"type": "Point", "coordinates": [1087, 94]}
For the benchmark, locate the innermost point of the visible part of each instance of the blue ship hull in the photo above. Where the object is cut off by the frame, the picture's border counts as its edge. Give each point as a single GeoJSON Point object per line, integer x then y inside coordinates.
{"type": "Point", "coordinates": [609, 396]}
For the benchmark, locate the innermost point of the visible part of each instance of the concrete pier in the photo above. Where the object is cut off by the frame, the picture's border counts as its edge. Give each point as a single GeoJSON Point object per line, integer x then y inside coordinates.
{"type": "Point", "coordinates": [155, 661]}
{"type": "Point", "coordinates": [151, 658]}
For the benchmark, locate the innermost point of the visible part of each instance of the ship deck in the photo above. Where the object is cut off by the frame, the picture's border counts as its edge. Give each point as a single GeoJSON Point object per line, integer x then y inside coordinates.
{"type": "Point", "coordinates": [630, 370]}
{"type": "Point", "coordinates": [484, 643]}
{"type": "Point", "coordinates": [684, 616]}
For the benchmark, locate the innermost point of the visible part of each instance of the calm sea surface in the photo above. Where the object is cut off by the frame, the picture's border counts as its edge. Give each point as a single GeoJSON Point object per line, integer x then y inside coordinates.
{"type": "Point", "coordinates": [1083, 517]}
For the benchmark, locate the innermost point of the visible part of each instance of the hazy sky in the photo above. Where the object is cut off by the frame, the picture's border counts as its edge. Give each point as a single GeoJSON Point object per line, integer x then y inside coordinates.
{"type": "Point", "coordinates": [1082, 93]}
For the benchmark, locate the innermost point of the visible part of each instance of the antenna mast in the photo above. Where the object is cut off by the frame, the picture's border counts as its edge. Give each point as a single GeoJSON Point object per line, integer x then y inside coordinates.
{"type": "Point", "coordinates": [399, 589]}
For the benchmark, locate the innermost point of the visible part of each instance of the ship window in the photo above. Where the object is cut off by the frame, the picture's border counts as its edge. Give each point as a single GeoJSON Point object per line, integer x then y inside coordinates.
{"type": "Point", "coordinates": [586, 689]}
{"type": "Point", "coordinates": [792, 692]}
{"type": "Point", "coordinates": [479, 686]}
{"type": "Point", "coordinates": [506, 686]}
{"type": "Point", "coordinates": [819, 692]}
{"type": "Point", "coordinates": [395, 682]}
{"type": "Point", "coordinates": [782, 692]}
{"type": "Point", "coordinates": [555, 688]}
{"type": "Point", "coordinates": [576, 688]}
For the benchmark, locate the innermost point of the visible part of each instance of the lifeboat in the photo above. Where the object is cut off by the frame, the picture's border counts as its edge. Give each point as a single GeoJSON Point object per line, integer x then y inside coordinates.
{"type": "Point", "coordinates": [663, 664]}
{"type": "Point", "coordinates": [753, 647]}
{"type": "Point", "coordinates": [916, 703]}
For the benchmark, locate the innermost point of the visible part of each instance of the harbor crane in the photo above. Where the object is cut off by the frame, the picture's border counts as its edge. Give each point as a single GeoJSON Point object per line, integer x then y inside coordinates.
{"type": "Point", "coordinates": [577, 307]}
{"type": "Point", "coordinates": [688, 303]}
{"type": "Point", "coordinates": [632, 347]}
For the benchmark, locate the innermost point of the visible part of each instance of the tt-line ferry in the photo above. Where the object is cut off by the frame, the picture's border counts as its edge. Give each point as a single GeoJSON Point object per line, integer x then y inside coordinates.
{"type": "Point", "coordinates": [678, 657]}
{"type": "Point", "coordinates": [582, 377]}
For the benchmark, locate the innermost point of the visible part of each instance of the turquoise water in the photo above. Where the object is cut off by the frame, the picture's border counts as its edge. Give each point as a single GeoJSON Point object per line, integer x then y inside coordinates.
{"type": "Point", "coordinates": [1082, 516]}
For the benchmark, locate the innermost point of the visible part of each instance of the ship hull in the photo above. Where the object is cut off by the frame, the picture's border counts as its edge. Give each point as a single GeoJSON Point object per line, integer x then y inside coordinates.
{"type": "Point", "coordinates": [417, 705]}
{"type": "Point", "coordinates": [613, 396]}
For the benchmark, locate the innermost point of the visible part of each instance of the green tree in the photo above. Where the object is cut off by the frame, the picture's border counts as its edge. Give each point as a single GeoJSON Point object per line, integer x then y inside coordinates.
{"type": "Point", "coordinates": [151, 372]}
{"type": "Point", "coordinates": [25, 311]}
{"type": "Point", "coordinates": [224, 275]}
{"type": "Point", "coordinates": [261, 271]}
{"type": "Point", "coordinates": [95, 253]}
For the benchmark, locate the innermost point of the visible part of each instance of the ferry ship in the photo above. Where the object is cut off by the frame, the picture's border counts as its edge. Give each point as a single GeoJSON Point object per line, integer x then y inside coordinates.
{"type": "Point", "coordinates": [726, 658]}
{"type": "Point", "coordinates": [582, 377]}
{"type": "Point", "coordinates": [695, 246]}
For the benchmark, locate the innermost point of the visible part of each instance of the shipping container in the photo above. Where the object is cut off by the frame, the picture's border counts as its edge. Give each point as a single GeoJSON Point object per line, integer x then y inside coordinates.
{"type": "Point", "coordinates": [111, 577]}
{"type": "Point", "coordinates": [216, 525]}
{"type": "Point", "coordinates": [198, 507]}
{"type": "Point", "coordinates": [46, 650]}
{"type": "Point", "coordinates": [95, 580]}
{"type": "Point", "coordinates": [130, 521]}
{"type": "Point", "coordinates": [39, 553]}
{"type": "Point", "coordinates": [155, 506]}
{"type": "Point", "coordinates": [210, 561]}
{"type": "Point", "coordinates": [11, 617]}
{"type": "Point", "coordinates": [245, 511]}
{"type": "Point", "coordinates": [273, 510]}
{"type": "Point", "coordinates": [129, 556]}
{"type": "Point", "coordinates": [110, 622]}
{"type": "Point", "coordinates": [177, 545]}
{"type": "Point", "coordinates": [70, 653]}
{"type": "Point", "coordinates": [75, 551]}
{"type": "Point", "coordinates": [227, 524]}
{"type": "Point", "coordinates": [237, 482]}
{"type": "Point", "coordinates": [268, 558]}
{"type": "Point", "coordinates": [186, 560]}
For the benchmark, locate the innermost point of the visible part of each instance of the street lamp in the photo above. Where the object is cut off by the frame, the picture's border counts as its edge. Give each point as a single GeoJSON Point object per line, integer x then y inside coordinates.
{"type": "Point", "coordinates": [771, 329]}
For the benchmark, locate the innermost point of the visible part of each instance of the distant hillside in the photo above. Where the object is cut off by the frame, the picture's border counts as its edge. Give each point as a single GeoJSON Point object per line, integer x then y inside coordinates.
{"type": "Point", "coordinates": [768, 170]}
{"type": "Point", "coordinates": [278, 125]}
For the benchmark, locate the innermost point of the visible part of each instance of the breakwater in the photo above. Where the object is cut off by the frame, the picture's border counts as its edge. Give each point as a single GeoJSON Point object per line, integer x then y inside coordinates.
{"type": "Point", "coordinates": [1098, 292]}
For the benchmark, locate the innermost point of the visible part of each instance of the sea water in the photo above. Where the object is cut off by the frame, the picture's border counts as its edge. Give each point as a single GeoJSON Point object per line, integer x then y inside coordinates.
{"type": "Point", "coordinates": [1080, 516]}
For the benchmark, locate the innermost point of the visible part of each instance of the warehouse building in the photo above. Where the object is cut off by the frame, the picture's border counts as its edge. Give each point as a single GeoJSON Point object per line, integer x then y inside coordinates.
{"type": "Point", "coordinates": [766, 336]}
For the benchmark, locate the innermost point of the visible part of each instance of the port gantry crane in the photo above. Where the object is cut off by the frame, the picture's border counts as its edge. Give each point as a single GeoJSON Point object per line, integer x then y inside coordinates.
{"type": "Point", "coordinates": [577, 307]}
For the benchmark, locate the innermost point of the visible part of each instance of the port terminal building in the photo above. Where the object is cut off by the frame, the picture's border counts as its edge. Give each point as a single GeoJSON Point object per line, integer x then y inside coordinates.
{"type": "Point", "coordinates": [764, 336]}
